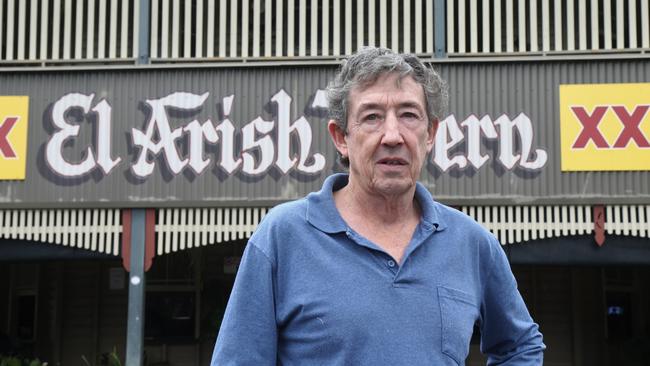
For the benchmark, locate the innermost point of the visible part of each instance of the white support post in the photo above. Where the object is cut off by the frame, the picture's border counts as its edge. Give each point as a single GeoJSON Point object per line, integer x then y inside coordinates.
{"type": "Point", "coordinates": [136, 306]}
{"type": "Point", "coordinates": [291, 45]}
{"type": "Point", "coordinates": [595, 29]}
{"type": "Point", "coordinates": [244, 29]}
{"type": "Point", "coordinates": [234, 23]}
{"type": "Point", "coordinates": [124, 33]}
{"type": "Point", "coordinates": [112, 39]}
{"type": "Point", "coordinates": [222, 28]}
{"type": "Point", "coordinates": [325, 21]}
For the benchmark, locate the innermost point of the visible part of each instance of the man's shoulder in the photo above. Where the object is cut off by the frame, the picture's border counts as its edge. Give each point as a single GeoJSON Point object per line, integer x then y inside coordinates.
{"type": "Point", "coordinates": [466, 237]}
{"type": "Point", "coordinates": [446, 217]}
{"type": "Point", "coordinates": [455, 218]}
{"type": "Point", "coordinates": [285, 214]}
{"type": "Point", "coordinates": [281, 223]}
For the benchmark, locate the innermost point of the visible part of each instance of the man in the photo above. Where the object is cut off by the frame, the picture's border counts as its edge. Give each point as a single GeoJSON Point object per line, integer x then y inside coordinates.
{"type": "Point", "coordinates": [371, 270]}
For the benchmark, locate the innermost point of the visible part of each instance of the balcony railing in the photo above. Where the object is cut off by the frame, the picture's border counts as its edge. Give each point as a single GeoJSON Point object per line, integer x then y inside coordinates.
{"type": "Point", "coordinates": [68, 30]}
{"type": "Point", "coordinates": [532, 27]}
{"type": "Point", "coordinates": [107, 31]}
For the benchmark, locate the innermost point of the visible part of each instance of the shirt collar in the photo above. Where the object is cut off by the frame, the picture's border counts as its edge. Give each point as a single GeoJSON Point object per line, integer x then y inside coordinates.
{"type": "Point", "coordinates": [322, 212]}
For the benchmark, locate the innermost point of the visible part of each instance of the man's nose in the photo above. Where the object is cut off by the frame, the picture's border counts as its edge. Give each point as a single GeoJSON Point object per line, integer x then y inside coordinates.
{"type": "Point", "coordinates": [392, 133]}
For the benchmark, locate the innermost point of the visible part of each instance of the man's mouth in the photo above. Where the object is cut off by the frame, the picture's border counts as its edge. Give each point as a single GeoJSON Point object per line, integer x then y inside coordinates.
{"type": "Point", "coordinates": [392, 161]}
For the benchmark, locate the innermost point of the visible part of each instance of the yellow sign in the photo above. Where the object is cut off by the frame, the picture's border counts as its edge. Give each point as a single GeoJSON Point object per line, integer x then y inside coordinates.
{"type": "Point", "coordinates": [605, 127]}
{"type": "Point", "coordinates": [13, 136]}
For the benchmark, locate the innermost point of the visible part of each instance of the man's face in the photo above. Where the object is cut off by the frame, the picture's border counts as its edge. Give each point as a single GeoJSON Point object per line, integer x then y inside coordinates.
{"type": "Point", "coordinates": [388, 135]}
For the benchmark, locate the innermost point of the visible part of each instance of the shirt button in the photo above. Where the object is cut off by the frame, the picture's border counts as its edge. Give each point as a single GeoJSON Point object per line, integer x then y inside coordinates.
{"type": "Point", "coordinates": [391, 263]}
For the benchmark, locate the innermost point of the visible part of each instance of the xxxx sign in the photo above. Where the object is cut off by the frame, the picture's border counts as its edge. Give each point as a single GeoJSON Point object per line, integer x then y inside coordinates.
{"type": "Point", "coordinates": [605, 127]}
{"type": "Point", "coordinates": [13, 136]}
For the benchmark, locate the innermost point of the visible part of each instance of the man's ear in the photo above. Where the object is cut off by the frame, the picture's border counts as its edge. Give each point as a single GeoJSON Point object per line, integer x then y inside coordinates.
{"type": "Point", "coordinates": [431, 134]}
{"type": "Point", "coordinates": [338, 137]}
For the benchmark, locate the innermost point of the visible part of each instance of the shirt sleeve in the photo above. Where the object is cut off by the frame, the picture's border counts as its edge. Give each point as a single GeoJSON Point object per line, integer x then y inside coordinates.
{"type": "Point", "coordinates": [509, 336]}
{"type": "Point", "coordinates": [248, 334]}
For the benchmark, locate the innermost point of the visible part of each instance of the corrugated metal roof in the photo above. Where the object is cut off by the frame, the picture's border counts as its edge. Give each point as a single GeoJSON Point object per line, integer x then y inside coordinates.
{"type": "Point", "coordinates": [533, 89]}
{"type": "Point", "coordinates": [479, 89]}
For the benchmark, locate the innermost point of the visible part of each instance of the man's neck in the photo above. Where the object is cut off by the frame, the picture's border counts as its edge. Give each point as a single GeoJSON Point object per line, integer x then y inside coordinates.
{"type": "Point", "coordinates": [389, 222]}
{"type": "Point", "coordinates": [379, 209]}
{"type": "Point", "coordinates": [353, 201]}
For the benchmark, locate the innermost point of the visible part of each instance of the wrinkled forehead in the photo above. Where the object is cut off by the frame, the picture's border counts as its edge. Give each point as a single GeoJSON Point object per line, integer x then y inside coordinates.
{"type": "Point", "coordinates": [387, 88]}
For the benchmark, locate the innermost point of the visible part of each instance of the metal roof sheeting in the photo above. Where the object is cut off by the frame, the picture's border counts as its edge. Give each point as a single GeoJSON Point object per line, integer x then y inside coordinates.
{"type": "Point", "coordinates": [533, 88]}
{"type": "Point", "coordinates": [509, 89]}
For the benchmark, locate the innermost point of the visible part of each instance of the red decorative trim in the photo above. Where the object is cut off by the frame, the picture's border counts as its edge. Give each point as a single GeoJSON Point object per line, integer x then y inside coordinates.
{"type": "Point", "coordinates": [150, 235]}
{"type": "Point", "coordinates": [599, 224]}
{"type": "Point", "coordinates": [126, 239]}
{"type": "Point", "coordinates": [149, 241]}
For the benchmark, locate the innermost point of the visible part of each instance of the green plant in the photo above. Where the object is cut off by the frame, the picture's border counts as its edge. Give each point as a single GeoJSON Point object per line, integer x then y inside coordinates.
{"type": "Point", "coordinates": [16, 361]}
{"type": "Point", "coordinates": [85, 360]}
{"type": "Point", "coordinates": [106, 359]}
{"type": "Point", "coordinates": [10, 361]}
{"type": "Point", "coordinates": [112, 359]}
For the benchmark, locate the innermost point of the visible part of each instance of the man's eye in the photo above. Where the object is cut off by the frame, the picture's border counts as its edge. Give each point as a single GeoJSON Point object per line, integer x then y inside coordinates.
{"type": "Point", "coordinates": [410, 116]}
{"type": "Point", "coordinates": [371, 118]}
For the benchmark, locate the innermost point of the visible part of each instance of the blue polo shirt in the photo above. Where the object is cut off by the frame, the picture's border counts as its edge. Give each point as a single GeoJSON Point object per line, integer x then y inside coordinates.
{"type": "Point", "coordinates": [312, 291]}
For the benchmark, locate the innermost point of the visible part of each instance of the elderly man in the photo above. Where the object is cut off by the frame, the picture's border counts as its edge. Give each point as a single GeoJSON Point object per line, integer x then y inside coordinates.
{"type": "Point", "coordinates": [371, 270]}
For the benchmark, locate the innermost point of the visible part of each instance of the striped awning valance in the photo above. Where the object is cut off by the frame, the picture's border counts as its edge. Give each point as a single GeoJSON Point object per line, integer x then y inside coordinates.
{"type": "Point", "coordinates": [91, 229]}
{"type": "Point", "coordinates": [177, 229]}
{"type": "Point", "coordinates": [515, 224]}
{"type": "Point", "coordinates": [183, 228]}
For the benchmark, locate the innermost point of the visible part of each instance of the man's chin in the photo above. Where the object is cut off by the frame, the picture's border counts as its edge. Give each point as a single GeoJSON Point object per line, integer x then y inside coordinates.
{"type": "Point", "coordinates": [393, 186]}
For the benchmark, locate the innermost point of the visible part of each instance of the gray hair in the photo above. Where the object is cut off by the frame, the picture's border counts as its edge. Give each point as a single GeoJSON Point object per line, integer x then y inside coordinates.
{"type": "Point", "coordinates": [368, 64]}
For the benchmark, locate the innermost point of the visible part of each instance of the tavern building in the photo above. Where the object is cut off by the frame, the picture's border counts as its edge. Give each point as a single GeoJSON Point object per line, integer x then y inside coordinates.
{"type": "Point", "coordinates": [141, 142]}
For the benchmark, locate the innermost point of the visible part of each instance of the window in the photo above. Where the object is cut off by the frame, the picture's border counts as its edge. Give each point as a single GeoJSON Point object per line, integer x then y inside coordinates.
{"type": "Point", "coordinates": [170, 316]}
{"type": "Point", "coordinates": [26, 316]}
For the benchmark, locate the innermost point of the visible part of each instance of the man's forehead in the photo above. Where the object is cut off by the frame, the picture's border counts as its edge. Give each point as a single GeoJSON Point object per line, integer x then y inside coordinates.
{"type": "Point", "coordinates": [388, 88]}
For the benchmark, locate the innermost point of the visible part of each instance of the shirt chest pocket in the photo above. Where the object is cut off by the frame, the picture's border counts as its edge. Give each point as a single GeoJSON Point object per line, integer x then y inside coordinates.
{"type": "Point", "coordinates": [458, 312]}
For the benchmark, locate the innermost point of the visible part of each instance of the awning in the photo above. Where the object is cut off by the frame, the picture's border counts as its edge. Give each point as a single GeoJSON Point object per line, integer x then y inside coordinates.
{"type": "Point", "coordinates": [183, 228]}
{"type": "Point", "coordinates": [516, 224]}
{"type": "Point", "coordinates": [177, 229]}
{"type": "Point", "coordinates": [97, 230]}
